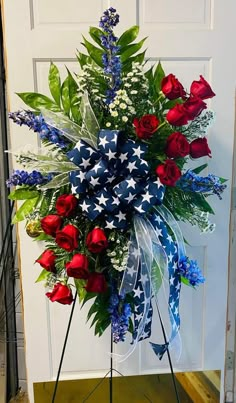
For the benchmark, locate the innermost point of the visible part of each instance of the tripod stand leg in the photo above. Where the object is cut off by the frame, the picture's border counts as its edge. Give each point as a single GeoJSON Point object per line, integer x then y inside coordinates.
{"type": "Point", "coordinates": [63, 349]}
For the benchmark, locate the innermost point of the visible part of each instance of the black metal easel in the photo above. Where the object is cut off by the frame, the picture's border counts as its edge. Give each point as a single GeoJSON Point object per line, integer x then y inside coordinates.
{"type": "Point", "coordinates": [111, 370]}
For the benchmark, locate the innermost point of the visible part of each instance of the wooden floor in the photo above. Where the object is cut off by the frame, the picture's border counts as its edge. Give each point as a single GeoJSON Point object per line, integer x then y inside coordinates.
{"type": "Point", "coordinates": [134, 389]}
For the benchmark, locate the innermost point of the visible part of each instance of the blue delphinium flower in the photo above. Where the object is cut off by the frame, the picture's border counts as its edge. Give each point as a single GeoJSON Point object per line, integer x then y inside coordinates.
{"type": "Point", "coordinates": [190, 181]}
{"type": "Point", "coordinates": [189, 269]}
{"type": "Point", "coordinates": [38, 124]}
{"type": "Point", "coordinates": [120, 312]}
{"type": "Point", "coordinates": [27, 178]}
{"type": "Point", "coordinates": [111, 59]}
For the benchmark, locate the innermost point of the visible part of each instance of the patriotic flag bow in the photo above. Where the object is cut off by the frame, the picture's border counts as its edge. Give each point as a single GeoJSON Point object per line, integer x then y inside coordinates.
{"type": "Point", "coordinates": [114, 179]}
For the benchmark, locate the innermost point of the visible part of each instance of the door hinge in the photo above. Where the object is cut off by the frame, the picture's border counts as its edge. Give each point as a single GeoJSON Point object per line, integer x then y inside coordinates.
{"type": "Point", "coordinates": [229, 397]}
{"type": "Point", "coordinates": [229, 364]}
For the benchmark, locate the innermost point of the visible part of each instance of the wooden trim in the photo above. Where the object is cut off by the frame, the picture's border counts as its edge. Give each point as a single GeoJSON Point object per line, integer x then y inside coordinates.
{"type": "Point", "coordinates": [202, 387]}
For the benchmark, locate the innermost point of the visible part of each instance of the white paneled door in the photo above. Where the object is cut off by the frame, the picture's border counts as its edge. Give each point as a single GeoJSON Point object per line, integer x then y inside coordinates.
{"type": "Point", "coordinates": [191, 38]}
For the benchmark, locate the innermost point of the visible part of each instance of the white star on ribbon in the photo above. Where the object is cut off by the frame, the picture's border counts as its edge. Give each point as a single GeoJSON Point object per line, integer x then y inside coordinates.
{"type": "Point", "coordinates": [172, 304]}
{"type": "Point", "coordinates": [176, 311]}
{"type": "Point", "coordinates": [73, 189]}
{"type": "Point", "coordinates": [111, 155]}
{"type": "Point", "coordinates": [131, 270]}
{"type": "Point", "coordinates": [169, 238]}
{"type": "Point", "coordinates": [114, 140]}
{"type": "Point", "coordinates": [172, 280]}
{"type": "Point", "coordinates": [144, 335]}
{"type": "Point", "coordinates": [131, 183]}
{"type": "Point", "coordinates": [116, 201]}
{"type": "Point", "coordinates": [158, 219]}
{"type": "Point", "coordinates": [98, 208]}
{"type": "Point", "coordinates": [94, 181]}
{"type": "Point", "coordinates": [97, 167]}
{"type": "Point", "coordinates": [85, 163]}
{"type": "Point", "coordinates": [110, 225]}
{"type": "Point", "coordinates": [135, 252]}
{"type": "Point", "coordinates": [158, 232]}
{"type": "Point", "coordinates": [121, 216]}
{"type": "Point", "coordinates": [177, 287]}
{"type": "Point", "coordinates": [138, 292]}
{"type": "Point", "coordinates": [123, 157]}
{"type": "Point", "coordinates": [130, 197]}
{"type": "Point", "coordinates": [85, 206]}
{"type": "Point", "coordinates": [139, 209]}
{"type": "Point", "coordinates": [158, 183]}
{"type": "Point", "coordinates": [139, 317]}
{"type": "Point", "coordinates": [170, 257]}
{"type": "Point", "coordinates": [79, 145]}
{"type": "Point", "coordinates": [147, 197]}
{"type": "Point", "coordinates": [144, 278]}
{"type": "Point", "coordinates": [81, 176]}
{"type": "Point", "coordinates": [137, 151]}
{"type": "Point", "coordinates": [111, 179]}
{"type": "Point", "coordinates": [175, 265]}
{"type": "Point", "coordinates": [103, 141]}
{"type": "Point", "coordinates": [102, 200]}
{"type": "Point", "coordinates": [131, 166]}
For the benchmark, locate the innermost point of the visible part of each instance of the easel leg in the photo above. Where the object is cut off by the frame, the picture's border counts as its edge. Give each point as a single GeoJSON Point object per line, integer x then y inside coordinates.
{"type": "Point", "coordinates": [64, 348]}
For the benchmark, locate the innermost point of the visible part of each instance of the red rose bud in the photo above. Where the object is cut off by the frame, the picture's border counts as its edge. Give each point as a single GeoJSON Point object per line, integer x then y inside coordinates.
{"type": "Point", "coordinates": [66, 205]}
{"type": "Point", "coordinates": [47, 260]}
{"type": "Point", "coordinates": [60, 293]}
{"type": "Point", "coordinates": [177, 116]}
{"type": "Point", "coordinates": [96, 283]}
{"type": "Point", "coordinates": [67, 238]}
{"type": "Point", "coordinates": [201, 89]}
{"type": "Point", "coordinates": [146, 126]}
{"type": "Point", "coordinates": [193, 107]}
{"type": "Point", "coordinates": [177, 145]}
{"type": "Point", "coordinates": [78, 267]}
{"type": "Point", "coordinates": [168, 173]}
{"type": "Point", "coordinates": [51, 224]}
{"type": "Point", "coordinates": [96, 240]}
{"type": "Point", "coordinates": [199, 148]}
{"type": "Point", "coordinates": [172, 88]}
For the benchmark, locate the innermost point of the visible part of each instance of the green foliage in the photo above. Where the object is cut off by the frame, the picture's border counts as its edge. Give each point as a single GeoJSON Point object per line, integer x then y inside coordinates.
{"type": "Point", "coordinates": [69, 97]}
{"type": "Point", "coordinates": [94, 52]}
{"type": "Point", "coordinates": [95, 34]}
{"type": "Point", "coordinates": [101, 318]}
{"type": "Point", "coordinates": [159, 74]}
{"type": "Point", "coordinates": [37, 101]}
{"type": "Point", "coordinates": [54, 82]}
{"type": "Point", "coordinates": [25, 209]}
{"type": "Point", "coordinates": [199, 169]}
{"type": "Point", "coordinates": [83, 59]}
{"type": "Point", "coordinates": [43, 276]}
{"type": "Point", "coordinates": [128, 36]}
{"type": "Point", "coordinates": [184, 205]}
{"type": "Point", "coordinates": [130, 50]}
{"type": "Point", "coordinates": [23, 193]}
{"type": "Point", "coordinates": [80, 284]}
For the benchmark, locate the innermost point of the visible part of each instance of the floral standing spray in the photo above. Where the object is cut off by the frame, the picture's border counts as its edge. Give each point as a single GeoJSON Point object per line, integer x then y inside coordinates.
{"type": "Point", "coordinates": [109, 185]}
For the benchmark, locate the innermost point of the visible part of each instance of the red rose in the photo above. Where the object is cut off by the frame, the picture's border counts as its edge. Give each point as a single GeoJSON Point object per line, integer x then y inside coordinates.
{"type": "Point", "coordinates": [146, 126]}
{"type": "Point", "coordinates": [172, 88]}
{"type": "Point", "coordinates": [193, 107]}
{"type": "Point", "coordinates": [67, 238]}
{"type": "Point", "coordinates": [96, 240]}
{"type": "Point", "coordinates": [47, 260]}
{"type": "Point", "coordinates": [96, 283]}
{"type": "Point", "coordinates": [51, 224]}
{"type": "Point", "coordinates": [177, 116]}
{"type": "Point", "coordinates": [199, 148]}
{"type": "Point", "coordinates": [201, 89]}
{"type": "Point", "coordinates": [177, 145]}
{"type": "Point", "coordinates": [66, 205]}
{"type": "Point", "coordinates": [60, 293]}
{"type": "Point", "coordinates": [78, 267]}
{"type": "Point", "coordinates": [168, 173]}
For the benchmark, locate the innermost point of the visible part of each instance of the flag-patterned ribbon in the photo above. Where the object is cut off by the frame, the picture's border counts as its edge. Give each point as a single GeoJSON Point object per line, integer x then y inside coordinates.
{"type": "Point", "coordinates": [114, 180]}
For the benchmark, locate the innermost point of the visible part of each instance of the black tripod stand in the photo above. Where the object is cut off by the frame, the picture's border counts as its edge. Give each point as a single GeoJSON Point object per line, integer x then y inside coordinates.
{"type": "Point", "coordinates": [111, 370]}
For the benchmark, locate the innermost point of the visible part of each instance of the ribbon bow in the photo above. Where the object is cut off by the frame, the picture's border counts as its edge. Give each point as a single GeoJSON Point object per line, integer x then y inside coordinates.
{"type": "Point", "coordinates": [114, 179]}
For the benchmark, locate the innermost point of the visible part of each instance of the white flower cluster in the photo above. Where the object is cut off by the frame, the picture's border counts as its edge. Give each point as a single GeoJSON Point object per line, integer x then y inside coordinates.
{"type": "Point", "coordinates": [121, 108]}
{"type": "Point", "coordinates": [201, 219]}
{"type": "Point", "coordinates": [119, 256]}
{"type": "Point", "coordinates": [86, 81]}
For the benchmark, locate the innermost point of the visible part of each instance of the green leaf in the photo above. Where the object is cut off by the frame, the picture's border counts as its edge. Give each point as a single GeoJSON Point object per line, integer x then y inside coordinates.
{"type": "Point", "coordinates": [128, 36]}
{"type": "Point", "coordinates": [223, 180]}
{"type": "Point", "coordinates": [38, 101]}
{"type": "Point", "coordinates": [23, 194]}
{"type": "Point", "coordinates": [203, 204]}
{"type": "Point", "coordinates": [73, 96]}
{"type": "Point", "coordinates": [186, 282]}
{"type": "Point", "coordinates": [88, 296]}
{"type": "Point", "coordinates": [54, 81]}
{"type": "Point", "coordinates": [94, 308]}
{"type": "Point", "coordinates": [65, 97]}
{"type": "Point", "coordinates": [94, 52]}
{"type": "Point", "coordinates": [199, 169]}
{"type": "Point", "coordinates": [139, 58]}
{"type": "Point", "coordinates": [24, 210]}
{"type": "Point", "coordinates": [158, 76]}
{"type": "Point", "coordinates": [95, 34]}
{"type": "Point", "coordinates": [101, 326]}
{"type": "Point", "coordinates": [43, 276]}
{"type": "Point", "coordinates": [83, 59]}
{"type": "Point", "coordinates": [129, 50]}
{"type": "Point", "coordinates": [43, 237]}
{"type": "Point", "coordinates": [79, 284]}
{"type": "Point", "coordinates": [172, 103]}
